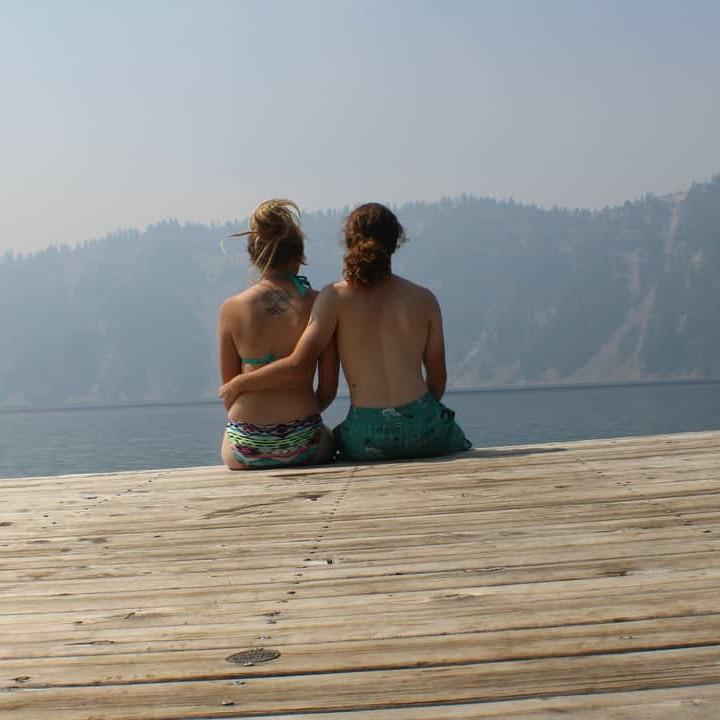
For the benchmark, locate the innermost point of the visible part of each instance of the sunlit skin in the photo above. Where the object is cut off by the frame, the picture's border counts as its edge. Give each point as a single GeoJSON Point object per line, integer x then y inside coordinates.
{"type": "Point", "coordinates": [386, 336]}
{"type": "Point", "coordinates": [271, 315]}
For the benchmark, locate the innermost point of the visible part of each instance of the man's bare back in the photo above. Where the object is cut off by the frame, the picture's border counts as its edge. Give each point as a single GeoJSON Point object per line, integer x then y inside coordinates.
{"type": "Point", "coordinates": [387, 329]}
{"type": "Point", "coordinates": [384, 334]}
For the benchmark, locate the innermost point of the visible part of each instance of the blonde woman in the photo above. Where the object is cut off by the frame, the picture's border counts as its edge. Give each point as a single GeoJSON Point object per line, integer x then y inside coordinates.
{"type": "Point", "coordinates": [279, 426]}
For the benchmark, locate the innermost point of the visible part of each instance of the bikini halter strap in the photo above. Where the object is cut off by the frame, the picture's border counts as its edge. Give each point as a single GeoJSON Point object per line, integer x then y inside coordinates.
{"type": "Point", "coordinates": [300, 282]}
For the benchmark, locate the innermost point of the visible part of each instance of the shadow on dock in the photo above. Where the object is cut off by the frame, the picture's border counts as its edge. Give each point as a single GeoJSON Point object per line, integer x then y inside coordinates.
{"type": "Point", "coordinates": [492, 453]}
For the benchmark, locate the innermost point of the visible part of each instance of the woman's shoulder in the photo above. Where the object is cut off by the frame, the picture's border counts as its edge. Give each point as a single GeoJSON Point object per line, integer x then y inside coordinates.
{"type": "Point", "coordinates": [240, 300]}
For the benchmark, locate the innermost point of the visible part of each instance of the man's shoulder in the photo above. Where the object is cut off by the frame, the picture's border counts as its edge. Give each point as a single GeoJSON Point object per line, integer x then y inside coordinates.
{"type": "Point", "coordinates": [339, 286]}
{"type": "Point", "coordinates": [413, 288]}
{"type": "Point", "coordinates": [327, 300]}
{"type": "Point", "coordinates": [341, 290]}
{"type": "Point", "coordinates": [335, 290]}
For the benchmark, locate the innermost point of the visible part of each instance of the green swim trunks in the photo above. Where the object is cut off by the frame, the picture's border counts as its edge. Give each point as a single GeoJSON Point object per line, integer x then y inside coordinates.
{"type": "Point", "coordinates": [423, 428]}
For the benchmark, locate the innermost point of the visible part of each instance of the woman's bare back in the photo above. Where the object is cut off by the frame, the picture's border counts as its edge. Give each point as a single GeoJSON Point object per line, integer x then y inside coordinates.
{"type": "Point", "coordinates": [266, 321]}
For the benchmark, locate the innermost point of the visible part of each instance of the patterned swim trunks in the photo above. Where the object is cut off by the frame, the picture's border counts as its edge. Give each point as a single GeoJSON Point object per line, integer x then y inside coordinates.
{"type": "Point", "coordinates": [423, 428]}
{"type": "Point", "coordinates": [267, 446]}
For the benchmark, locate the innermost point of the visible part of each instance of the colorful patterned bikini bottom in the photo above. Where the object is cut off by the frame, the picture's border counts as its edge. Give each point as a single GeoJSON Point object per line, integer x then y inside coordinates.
{"type": "Point", "coordinates": [265, 446]}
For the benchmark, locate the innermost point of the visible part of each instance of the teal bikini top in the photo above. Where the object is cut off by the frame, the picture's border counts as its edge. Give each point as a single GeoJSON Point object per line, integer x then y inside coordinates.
{"type": "Point", "coordinates": [302, 285]}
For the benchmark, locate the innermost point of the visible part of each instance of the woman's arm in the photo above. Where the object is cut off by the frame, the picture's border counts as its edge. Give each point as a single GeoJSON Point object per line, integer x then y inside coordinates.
{"type": "Point", "coordinates": [328, 374]}
{"type": "Point", "coordinates": [230, 361]}
{"type": "Point", "coordinates": [301, 362]}
{"type": "Point", "coordinates": [434, 354]}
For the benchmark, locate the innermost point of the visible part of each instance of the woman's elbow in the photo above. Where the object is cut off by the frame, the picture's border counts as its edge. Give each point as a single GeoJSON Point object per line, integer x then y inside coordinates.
{"type": "Point", "coordinates": [327, 385]}
{"type": "Point", "coordinates": [436, 383]}
{"type": "Point", "coordinates": [325, 397]}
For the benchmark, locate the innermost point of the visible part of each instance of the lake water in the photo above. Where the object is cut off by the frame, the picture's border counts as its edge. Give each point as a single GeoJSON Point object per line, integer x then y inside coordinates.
{"type": "Point", "coordinates": [54, 442]}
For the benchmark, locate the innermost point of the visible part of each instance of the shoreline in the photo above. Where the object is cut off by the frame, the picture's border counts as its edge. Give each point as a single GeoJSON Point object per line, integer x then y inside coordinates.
{"type": "Point", "coordinates": [472, 389]}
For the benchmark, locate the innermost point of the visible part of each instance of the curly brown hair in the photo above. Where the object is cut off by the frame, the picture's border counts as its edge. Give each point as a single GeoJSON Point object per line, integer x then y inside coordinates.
{"type": "Point", "coordinates": [274, 238]}
{"type": "Point", "coordinates": [372, 234]}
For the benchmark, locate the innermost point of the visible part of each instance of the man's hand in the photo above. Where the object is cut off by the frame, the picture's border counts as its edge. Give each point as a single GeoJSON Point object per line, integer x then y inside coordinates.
{"type": "Point", "coordinates": [229, 392]}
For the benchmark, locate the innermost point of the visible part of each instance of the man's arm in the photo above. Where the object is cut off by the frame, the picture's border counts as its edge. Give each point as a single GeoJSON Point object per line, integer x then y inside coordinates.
{"type": "Point", "coordinates": [302, 361]}
{"type": "Point", "coordinates": [434, 354]}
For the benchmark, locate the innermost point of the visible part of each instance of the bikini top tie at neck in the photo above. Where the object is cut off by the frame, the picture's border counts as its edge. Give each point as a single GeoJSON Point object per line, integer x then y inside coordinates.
{"type": "Point", "coordinates": [300, 282]}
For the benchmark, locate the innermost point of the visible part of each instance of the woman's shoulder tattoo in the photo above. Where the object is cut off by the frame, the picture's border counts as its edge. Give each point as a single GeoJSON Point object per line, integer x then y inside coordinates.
{"type": "Point", "coordinates": [275, 302]}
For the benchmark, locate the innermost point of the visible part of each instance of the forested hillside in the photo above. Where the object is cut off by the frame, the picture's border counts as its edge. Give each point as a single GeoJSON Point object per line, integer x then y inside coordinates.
{"type": "Point", "coordinates": [529, 296]}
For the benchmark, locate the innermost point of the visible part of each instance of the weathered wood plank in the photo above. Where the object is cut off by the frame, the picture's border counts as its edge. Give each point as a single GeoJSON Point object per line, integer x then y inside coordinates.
{"type": "Point", "coordinates": [477, 586]}
{"type": "Point", "coordinates": [698, 702]}
{"type": "Point", "coordinates": [373, 690]}
{"type": "Point", "coordinates": [136, 662]}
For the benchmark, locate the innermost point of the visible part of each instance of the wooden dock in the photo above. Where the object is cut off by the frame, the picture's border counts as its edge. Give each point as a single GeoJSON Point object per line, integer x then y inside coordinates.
{"type": "Point", "coordinates": [579, 580]}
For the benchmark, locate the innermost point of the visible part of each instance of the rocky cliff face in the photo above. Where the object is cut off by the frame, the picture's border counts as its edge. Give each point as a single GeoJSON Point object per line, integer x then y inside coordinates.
{"type": "Point", "coordinates": [529, 296]}
{"type": "Point", "coordinates": [625, 294]}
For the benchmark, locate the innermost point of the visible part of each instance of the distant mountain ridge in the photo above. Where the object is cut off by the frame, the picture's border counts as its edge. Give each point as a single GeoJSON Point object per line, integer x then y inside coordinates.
{"type": "Point", "coordinates": [529, 296]}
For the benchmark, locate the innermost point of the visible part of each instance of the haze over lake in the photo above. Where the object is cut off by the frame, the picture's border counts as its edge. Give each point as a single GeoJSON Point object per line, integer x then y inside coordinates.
{"type": "Point", "coordinates": [133, 438]}
{"type": "Point", "coordinates": [529, 296]}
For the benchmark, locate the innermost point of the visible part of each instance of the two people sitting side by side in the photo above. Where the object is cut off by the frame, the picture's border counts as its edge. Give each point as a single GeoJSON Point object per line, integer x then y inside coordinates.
{"type": "Point", "coordinates": [279, 424]}
{"type": "Point", "coordinates": [386, 330]}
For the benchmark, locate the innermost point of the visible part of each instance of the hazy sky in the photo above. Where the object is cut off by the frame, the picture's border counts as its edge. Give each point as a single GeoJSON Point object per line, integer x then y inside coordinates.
{"type": "Point", "coordinates": [121, 113]}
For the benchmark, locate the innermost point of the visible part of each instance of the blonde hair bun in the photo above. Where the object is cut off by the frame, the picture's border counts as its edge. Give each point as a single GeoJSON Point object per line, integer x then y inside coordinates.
{"type": "Point", "coordinates": [274, 238]}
